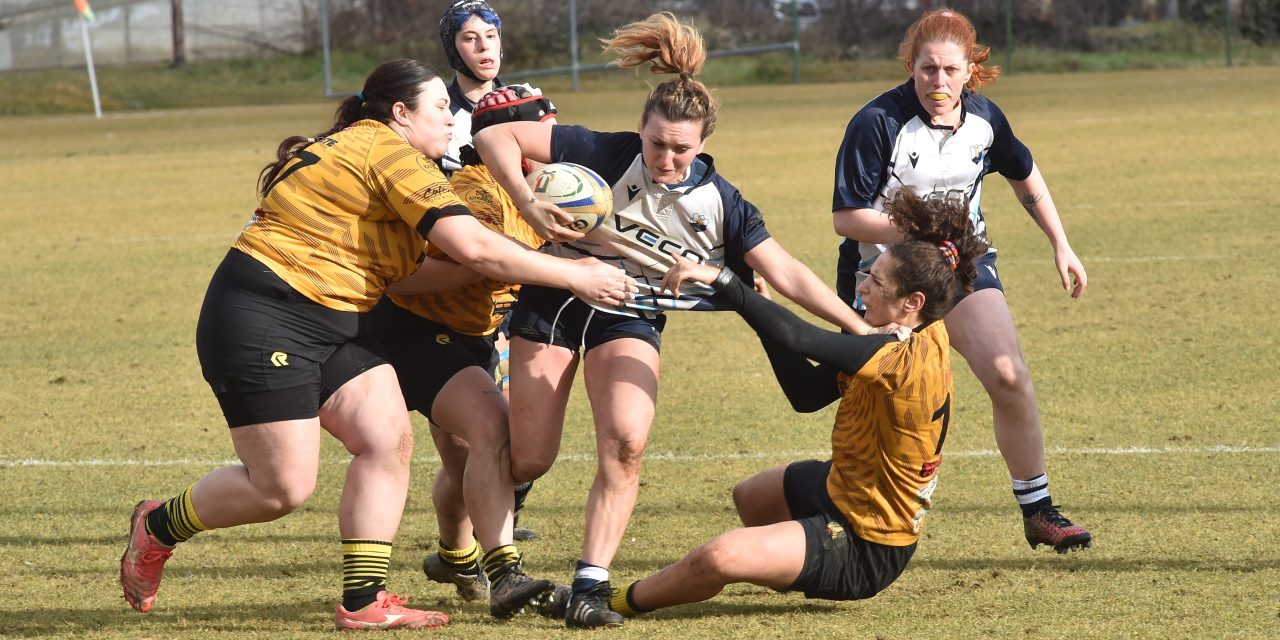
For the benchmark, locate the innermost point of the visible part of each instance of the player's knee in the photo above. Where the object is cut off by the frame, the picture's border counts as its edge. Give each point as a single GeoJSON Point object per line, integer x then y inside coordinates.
{"type": "Point", "coordinates": [623, 454]}
{"type": "Point", "coordinates": [1009, 375]}
{"type": "Point", "coordinates": [525, 468]}
{"type": "Point", "coordinates": [286, 495]}
{"type": "Point", "coordinates": [714, 560]}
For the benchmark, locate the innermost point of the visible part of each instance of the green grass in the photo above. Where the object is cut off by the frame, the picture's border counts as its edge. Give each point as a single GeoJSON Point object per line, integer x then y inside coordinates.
{"type": "Point", "coordinates": [1157, 387]}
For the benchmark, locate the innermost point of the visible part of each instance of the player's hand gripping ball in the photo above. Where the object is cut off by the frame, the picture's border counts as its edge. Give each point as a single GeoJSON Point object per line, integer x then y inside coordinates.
{"type": "Point", "coordinates": [577, 190]}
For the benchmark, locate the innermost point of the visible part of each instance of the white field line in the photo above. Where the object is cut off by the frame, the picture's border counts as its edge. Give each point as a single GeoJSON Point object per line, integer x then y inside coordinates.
{"type": "Point", "coordinates": [668, 456]}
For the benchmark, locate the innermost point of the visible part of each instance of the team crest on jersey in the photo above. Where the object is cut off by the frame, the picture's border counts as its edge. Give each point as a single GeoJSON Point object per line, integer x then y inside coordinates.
{"type": "Point", "coordinates": [835, 530]}
{"type": "Point", "coordinates": [485, 209]}
{"type": "Point", "coordinates": [976, 152]}
{"type": "Point", "coordinates": [698, 222]}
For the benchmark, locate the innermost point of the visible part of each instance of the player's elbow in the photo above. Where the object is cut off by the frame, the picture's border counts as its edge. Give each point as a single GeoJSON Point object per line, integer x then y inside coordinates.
{"type": "Point", "coordinates": [845, 222]}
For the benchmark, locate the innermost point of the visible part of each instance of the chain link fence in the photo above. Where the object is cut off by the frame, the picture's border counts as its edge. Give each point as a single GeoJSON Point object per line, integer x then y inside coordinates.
{"type": "Point", "coordinates": [38, 34]}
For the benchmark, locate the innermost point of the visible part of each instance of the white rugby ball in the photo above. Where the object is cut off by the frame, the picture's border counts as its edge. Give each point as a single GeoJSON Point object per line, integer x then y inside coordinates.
{"type": "Point", "coordinates": [577, 190]}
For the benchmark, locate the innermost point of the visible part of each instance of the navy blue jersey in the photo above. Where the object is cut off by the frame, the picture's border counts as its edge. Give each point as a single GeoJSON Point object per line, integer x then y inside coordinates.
{"type": "Point", "coordinates": [890, 145]}
{"type": "Point", "coordinates": [704, 219]}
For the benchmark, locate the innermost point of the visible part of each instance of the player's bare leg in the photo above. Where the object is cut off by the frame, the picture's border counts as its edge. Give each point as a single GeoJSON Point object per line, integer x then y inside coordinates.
{"type": "Point", "coordinates": [472, 407]}
{"type": "Point", "coordinates": [982, 330]}
{"type": "Point", "coordinates": [457, 561]}
{"type": "Point", "coordinates": [770, 556]}
{"type": "Point", "coordinates": [541, 379]}
{"type": "Point", "coordinates": [622, 384]}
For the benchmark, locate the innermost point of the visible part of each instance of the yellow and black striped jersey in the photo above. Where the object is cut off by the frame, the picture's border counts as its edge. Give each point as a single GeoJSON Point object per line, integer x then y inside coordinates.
{"type": "Point", "coordinates": [887, 441]}
{"type": "Point", "coordinates": [346, 216]}
{"type": "Point", "coordinates": [477, 308]}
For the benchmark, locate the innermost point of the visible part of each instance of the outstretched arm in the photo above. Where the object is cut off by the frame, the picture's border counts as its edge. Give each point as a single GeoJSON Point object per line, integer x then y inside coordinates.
{"type": "Point", "coordinates": [797, 282]}
{"type": "Point", "coordinates": [774, 323]}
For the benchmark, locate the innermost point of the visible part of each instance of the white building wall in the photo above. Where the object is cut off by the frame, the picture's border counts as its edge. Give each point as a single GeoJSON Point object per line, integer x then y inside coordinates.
{"type": "Point", "coordinates": [36, 34]}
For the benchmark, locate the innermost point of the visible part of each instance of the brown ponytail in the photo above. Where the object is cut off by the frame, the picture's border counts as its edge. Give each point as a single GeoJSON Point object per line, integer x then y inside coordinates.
{"type": "Point", "coordinates": [391, 82]}
{"type": "Point", "coordinates": [669, 47]}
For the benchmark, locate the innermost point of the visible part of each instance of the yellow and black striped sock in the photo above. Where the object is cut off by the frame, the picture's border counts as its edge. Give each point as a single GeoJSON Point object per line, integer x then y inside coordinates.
{"type": "Point", "coordinates": [461, 560]}
{"type": "Point", "coordinates": [175, 521]}
{"type": "Point", "coordinates": [498, 560]}
{"type": "Point", "coordinates": [623, 604]}
{"type": "Point", "coordinates": [364, 571]}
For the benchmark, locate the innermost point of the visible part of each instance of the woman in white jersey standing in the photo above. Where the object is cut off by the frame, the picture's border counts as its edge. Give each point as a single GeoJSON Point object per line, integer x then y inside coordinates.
{"type": "Point", "coordinates": [668, 199]}
{"type": "Point", "coordinates": [471, 35]}
{"type": "Point", "coordinates": [935, 136]}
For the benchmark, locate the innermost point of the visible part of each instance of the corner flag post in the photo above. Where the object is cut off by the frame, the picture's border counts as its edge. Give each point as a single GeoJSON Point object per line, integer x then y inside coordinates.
{"type": "Point", "coordinates": [86, 16]}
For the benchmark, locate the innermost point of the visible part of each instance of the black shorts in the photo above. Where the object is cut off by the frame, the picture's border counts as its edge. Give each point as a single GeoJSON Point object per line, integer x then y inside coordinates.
{"type": "Point", "coordinates": [426, 354]}
{"type": "Point", "coordinates": [555, 316]}
{"type": "Point", "coordinates": [838, 565]}
{"type": "Point", "coordinates": [268, 352]}
{"type": "Point", "coordinates": [847, 274]}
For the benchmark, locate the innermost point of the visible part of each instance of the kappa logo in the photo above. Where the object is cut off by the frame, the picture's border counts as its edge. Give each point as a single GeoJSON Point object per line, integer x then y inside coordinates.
{"type": "Point", "coordinates": [280, 359]}
{"type": "Point", "coordinates": [632, 190]}
{"type": "Point", "coordinates": [443, 338]}
{"type": "Point", "coordinates": [914, 158]}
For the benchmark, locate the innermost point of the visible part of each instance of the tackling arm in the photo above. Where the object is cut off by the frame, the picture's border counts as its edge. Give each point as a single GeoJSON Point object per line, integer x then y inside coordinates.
{"type": "Point", "coordinates": [795, 281]}
{"type": "Point", "coordinates": [790, 343]}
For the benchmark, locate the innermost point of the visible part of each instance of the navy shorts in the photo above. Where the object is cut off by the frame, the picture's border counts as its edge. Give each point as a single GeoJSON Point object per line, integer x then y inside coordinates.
{"type": "Point", "coordinates": [838, 565]}
{"type": "Point", "coordinates": [847, 274]}
{"type": "Point", "coordinates": [427, 354]}
{"type": "Point", "coordinates": [270, 353]}
{"type": "Point", "coordinates": [555, 316]}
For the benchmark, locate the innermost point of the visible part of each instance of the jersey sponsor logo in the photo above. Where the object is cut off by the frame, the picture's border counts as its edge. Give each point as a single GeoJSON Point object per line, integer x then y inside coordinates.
{"type": "Point", "coordinates": [429, 193]}
{"type": "Point", "coordinates": [443, 338]}
{"type": "Point", "coordinates": [632, 190]}
{"type": "Point", "coordinates": [648, 238]}
{"type": "Point", "coordinates": [914, 158]}
{"type": "Point", "coordinates": [280, 359]}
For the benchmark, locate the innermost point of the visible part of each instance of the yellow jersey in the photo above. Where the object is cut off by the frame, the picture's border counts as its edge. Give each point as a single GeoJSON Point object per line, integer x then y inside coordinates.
{"type": "Point", "coordinates": [477, 308]}
{"type": "Point", "coordinates": [348, 214]}
{"type": "Point", "coordinates": [887, 441]}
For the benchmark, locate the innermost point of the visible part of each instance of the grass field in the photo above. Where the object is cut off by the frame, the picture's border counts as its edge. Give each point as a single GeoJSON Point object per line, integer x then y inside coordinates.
{"type": "Point", "coordinates": [1157, 388]}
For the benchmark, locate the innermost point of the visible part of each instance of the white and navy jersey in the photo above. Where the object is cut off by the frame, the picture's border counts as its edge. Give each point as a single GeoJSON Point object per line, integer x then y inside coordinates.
{"type": "Point", "coordinates": [704, 219]}
{"type": "Point", "coordinates": [461, 108]}
{"type": "Point", "coordinates": [890, 145]}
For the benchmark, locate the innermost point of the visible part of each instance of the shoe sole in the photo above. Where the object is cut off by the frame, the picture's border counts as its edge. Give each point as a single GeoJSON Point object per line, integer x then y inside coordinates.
{"type": "Point", "coordinates": [1074, 543]}
{"type": "Point", "coordinates": [534, 601]}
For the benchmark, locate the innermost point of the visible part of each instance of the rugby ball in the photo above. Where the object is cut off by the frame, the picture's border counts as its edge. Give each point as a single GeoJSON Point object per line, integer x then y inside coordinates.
{"type": "Point", "coordinates": [577, 190]}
